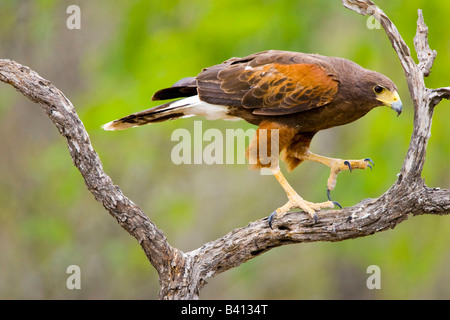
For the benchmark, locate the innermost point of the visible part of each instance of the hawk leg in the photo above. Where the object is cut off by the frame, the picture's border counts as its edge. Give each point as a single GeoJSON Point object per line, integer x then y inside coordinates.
{"type": "Point", "coordinates": [336, 166]}
{"type": "Point", "coordinates": [295, 201]}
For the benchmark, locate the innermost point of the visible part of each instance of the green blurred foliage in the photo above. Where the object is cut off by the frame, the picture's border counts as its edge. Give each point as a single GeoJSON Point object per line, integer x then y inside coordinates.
{"type": "Point", "coordinates": [109, 68]}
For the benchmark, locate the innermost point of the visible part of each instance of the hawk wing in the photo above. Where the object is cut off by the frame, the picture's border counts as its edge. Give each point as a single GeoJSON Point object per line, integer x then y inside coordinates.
{"type": "Point", "coordinates": [270, 83]}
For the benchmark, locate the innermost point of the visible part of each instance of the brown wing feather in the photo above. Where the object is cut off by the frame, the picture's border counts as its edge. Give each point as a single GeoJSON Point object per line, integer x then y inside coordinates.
{"type": "Point", "coordinates": [185, 87]}
{"type": "Point", "coordinates": [271, 83]}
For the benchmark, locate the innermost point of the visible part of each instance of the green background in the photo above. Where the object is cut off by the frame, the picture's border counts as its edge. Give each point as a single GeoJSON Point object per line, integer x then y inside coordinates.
{"type": "Point", "coordinates": [109, 68]}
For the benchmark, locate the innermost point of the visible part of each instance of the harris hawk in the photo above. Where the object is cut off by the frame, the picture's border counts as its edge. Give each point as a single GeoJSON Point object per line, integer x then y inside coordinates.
{"type": "Point", "coordinates": [297, 94]}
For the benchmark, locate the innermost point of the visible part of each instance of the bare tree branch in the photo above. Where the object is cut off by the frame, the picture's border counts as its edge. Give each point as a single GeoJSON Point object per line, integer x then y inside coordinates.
{"type": "Point", "coordinates": [436, 95]}
{"type": "Point", "coordinates": [62, 113]}
{"type": "Point", "coordinates": [424, 99]}
{"type": "Point", "coordinates": [425, 55]}
{"type": "Point", "coordinates": [182, 275]}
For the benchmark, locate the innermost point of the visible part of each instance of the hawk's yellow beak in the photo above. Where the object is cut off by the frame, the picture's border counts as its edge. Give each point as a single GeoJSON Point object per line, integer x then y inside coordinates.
{"type": "Point", "coordinates": [391, 99]}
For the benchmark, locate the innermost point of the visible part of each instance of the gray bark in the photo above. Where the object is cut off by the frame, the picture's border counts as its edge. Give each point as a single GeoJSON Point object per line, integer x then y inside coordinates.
{"type": "Point", "coordinates": [183, 274]}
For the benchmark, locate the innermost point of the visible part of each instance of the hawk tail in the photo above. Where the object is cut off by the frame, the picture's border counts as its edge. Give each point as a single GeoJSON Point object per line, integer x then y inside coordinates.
{"type": "Point", "coordinates": [187, 107]}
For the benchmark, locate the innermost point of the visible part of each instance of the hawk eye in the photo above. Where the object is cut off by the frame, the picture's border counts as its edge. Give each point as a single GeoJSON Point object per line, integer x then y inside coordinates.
{"type": "Point", "coordinates": [378, 89]}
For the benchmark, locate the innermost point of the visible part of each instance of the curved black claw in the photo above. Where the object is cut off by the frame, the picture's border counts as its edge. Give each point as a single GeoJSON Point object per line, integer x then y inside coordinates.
{"type": "Point", "coordinates": [272, 215]}
{"type": "Point", "coordinates": [335, 202]}
{"type": "Point", "coordinates": [348, 165]}
{"type": "Point", "coordinates": [370, 164]}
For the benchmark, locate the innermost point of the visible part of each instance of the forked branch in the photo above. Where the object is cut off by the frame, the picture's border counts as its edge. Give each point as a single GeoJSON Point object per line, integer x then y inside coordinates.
{"type": "Point", "coordinates": [182, 275]}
